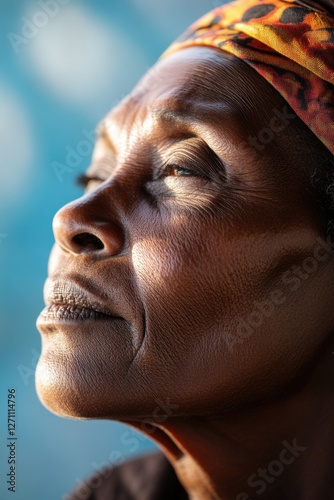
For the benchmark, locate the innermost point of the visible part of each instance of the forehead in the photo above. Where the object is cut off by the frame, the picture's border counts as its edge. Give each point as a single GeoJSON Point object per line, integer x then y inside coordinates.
{"type": "Point", "coordinates": [196, 84]}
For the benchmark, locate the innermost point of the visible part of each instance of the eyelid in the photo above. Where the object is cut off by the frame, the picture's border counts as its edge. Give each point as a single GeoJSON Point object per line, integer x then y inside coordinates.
{"type": "Point", "coordinates": [160, 172]}
{"type": "Point", "coordinates": [163, 171]}
{"type": "Point", "coordinates": [195, 154]}
{"type": "Point", "coordinates": [83, 180]}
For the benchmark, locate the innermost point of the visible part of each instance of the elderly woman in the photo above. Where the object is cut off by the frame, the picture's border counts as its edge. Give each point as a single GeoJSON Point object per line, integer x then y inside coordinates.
{"type": "Point", "coordinates": [191, 289]}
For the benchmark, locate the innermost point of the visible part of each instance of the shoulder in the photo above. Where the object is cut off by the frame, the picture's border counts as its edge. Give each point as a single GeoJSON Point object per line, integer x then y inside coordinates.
{"type": "Point", "coordinates": [144, 478]}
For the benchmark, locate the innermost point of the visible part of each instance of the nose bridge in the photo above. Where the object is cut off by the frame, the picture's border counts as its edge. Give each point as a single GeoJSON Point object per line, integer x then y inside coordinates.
{"type": "Point", "coordinates": [94, 222]}
{"type": "Point", "coordinates": [103, 204]}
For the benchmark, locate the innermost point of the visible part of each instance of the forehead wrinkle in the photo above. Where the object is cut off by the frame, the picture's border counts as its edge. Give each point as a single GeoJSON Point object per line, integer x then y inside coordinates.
{"type": "Point", "coordinates": [206, 93]}
{"type": "Point", "coordinates": [211, 83]}
{"type": "Point", "coordinates": [197, 96]}
{"type": "Point", "coordinates": [126, 109]}
{"type": "Point", "coordinates": [211, 75]}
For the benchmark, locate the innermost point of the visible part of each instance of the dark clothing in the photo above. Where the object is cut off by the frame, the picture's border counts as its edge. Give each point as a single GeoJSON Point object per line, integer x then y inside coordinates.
{"type": "Point", "coordinates": [150, 477]}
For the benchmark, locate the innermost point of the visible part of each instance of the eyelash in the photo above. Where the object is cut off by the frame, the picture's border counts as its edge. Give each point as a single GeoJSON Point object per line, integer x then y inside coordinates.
{"type": "Point", "coordinates": [165, 171]}
{"type": "Point", "coordinates": [84, 179]}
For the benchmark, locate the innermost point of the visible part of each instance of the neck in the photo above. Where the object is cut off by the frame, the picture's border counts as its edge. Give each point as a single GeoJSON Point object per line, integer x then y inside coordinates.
{"type": "Point", "coordinates": [281, 449]}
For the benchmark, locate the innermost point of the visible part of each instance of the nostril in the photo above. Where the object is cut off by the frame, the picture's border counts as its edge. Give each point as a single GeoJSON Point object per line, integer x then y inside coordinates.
{"type": "Point", "coordinates": [88, 241]}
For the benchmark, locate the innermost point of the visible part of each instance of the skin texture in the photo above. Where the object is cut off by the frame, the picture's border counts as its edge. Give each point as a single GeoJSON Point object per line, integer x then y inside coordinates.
{"type": "Point", "coordinates": [185, 228]}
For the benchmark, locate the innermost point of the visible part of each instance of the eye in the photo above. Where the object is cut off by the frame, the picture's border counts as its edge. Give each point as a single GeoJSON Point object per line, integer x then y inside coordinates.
{"type": "Point", "coordinates": [87, 181]}
{"type": "Point", "coordinates": [176, 171]}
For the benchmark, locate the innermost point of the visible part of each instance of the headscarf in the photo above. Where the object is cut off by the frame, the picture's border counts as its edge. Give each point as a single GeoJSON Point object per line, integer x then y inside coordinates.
{"type": "Point", "coordinates": [289, 42]}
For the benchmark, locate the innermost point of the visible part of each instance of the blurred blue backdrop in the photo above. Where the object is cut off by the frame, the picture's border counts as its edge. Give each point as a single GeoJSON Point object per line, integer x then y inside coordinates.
{"type": "Point", "coordinates": [64, 64]}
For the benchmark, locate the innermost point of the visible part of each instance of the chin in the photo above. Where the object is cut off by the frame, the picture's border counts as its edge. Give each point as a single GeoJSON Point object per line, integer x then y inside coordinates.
{"type": "Point", "coordinates": [81, 387]}
{"type": "Point", "coordinates": [85, 375]}
{"type": "Point", "coordinates": [60, 392]}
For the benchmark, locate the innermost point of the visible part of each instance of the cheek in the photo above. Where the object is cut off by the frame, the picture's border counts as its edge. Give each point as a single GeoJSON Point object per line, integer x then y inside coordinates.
{"type": "Point", "coordinates": [193, 285]}
{"type": "Point", "coordinates": [199, 273]}
{"type": "Point", "coordinates": [212, 311]}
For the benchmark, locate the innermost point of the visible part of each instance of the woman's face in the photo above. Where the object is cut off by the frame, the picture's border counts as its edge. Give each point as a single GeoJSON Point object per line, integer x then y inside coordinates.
{"type": "Point", "coordinates": [198, 232]}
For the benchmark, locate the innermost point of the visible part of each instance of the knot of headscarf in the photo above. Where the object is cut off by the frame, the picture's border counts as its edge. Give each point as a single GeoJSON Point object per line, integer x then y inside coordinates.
{"type": "Point", "coordinates": [289, 42]}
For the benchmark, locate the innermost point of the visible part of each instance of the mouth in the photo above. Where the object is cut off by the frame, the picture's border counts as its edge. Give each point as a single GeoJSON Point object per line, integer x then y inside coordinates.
{"type": "Point", "coordinates": [66, 301]}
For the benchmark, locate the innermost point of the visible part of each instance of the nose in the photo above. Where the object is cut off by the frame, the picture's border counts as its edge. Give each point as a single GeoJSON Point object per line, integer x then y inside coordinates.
{"type": "Point", "coordinates": [89, 225]}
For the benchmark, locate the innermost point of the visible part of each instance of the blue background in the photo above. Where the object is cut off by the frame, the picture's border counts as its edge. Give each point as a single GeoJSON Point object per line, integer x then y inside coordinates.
{"type": "Point", "coordinates": [54, 86]}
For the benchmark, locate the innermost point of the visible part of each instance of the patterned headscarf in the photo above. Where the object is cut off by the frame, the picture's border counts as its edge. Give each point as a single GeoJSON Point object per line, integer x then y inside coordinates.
{"type": "Point", "coordinates": [289, 42]}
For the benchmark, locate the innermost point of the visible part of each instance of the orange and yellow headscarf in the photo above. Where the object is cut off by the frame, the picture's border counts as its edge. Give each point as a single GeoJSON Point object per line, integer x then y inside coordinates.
{"type": "Point", "coordinates": [289, 42]}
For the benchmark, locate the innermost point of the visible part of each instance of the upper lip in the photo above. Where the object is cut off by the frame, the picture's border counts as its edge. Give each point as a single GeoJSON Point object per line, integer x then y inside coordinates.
{"type": "Point", "coordinates": [69, 293]}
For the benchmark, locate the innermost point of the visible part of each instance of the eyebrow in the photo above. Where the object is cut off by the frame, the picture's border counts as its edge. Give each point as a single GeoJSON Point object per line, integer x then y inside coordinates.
{"type": "Point", "coordinates": [168, 114]}
{"type": "Point", "coordinates": [184, 112]}
{"type": "Point", "coordinates": [174, 111]}
{"type": "Point", "coordinates": [181, 116]}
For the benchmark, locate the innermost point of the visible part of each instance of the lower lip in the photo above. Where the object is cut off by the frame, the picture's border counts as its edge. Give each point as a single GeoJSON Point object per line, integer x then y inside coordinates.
{"type": "Point", "coordinates": [66, 312]}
